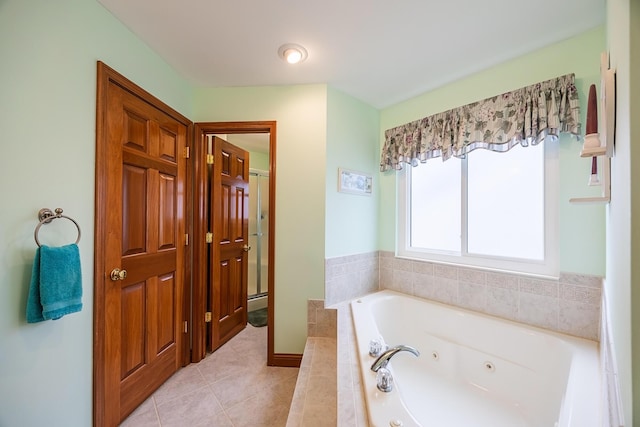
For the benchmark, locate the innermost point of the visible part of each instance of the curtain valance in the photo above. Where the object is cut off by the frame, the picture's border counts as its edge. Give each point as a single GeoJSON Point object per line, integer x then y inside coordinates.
{"type": "Point", "coordinates": [524, 116]}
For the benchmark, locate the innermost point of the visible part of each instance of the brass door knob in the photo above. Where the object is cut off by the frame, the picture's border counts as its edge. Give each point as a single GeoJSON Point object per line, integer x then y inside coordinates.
{"type": "Point", "coordinates": [117, 274]}
{"type": "Point", "coordinates": [246, 248]}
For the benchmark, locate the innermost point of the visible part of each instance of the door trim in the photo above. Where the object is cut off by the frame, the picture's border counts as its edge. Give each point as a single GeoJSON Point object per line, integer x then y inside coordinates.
{"type": "Point", "coordinates": [200, 229]}
{"type": "Point", "coordinates": [105, 77]}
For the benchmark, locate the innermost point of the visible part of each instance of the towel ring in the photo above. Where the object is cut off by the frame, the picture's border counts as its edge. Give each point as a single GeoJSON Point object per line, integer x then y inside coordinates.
{"type": "Point", "coordinates": [45, 216]}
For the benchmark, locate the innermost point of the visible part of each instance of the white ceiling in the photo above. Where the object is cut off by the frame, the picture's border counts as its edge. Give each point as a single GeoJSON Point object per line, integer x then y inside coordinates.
{"type": "Point", "coordinates": [379, 51]}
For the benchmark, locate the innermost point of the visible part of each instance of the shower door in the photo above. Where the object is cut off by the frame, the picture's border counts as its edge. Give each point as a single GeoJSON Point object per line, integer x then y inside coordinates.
{"type": "Point", "coordinates": [258, 233]}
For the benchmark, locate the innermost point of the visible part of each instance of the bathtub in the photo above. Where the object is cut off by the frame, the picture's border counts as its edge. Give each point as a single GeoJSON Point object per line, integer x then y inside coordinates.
{"type": "Point", "coordinates": [474, 370]}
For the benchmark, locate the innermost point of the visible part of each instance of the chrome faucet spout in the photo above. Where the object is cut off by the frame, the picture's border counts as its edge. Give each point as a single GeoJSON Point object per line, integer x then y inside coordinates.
{"type": "Point", "coordinates": [385, 357]}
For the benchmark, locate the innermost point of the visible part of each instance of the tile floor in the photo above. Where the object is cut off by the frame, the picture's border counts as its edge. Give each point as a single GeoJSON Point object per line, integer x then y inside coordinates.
{"type": "Point", "coordinates": [233, 387]}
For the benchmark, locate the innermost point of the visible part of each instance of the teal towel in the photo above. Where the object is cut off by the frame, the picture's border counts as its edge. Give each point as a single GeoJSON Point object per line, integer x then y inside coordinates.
{"type": "Point", "coordinates": [56, 283]}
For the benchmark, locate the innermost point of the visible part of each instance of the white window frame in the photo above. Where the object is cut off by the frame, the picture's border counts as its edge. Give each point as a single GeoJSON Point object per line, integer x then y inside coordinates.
{"type": "Point", "coordinates": [549, 267]}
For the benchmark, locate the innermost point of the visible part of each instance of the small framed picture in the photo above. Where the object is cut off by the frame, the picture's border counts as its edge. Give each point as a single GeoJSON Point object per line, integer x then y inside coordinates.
{"type": "Point", "coordinates": [354, 182]}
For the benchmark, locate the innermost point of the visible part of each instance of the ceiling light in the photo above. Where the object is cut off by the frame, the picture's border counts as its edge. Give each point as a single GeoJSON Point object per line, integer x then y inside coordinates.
{"type": "Point", "coordinates": [292, 53]}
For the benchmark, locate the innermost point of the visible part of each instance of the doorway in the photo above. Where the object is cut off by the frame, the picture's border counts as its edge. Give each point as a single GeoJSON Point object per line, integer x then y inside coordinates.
{"type": "Point", "coordinates": [241, 134]}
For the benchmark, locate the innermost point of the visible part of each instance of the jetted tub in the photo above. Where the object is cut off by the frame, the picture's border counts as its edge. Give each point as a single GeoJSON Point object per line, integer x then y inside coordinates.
{"type": "Point", "coordinates": [474, 370]}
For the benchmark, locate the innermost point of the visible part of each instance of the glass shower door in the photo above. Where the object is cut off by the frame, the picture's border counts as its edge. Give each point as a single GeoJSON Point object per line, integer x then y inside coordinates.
{"type": "Point", "coordinates": [258, 234]}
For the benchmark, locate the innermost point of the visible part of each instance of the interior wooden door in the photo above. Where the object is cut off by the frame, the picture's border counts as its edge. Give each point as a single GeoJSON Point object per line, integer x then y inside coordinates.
{"type": "Point", "coordinates": [140, 226]}
{"type": "Point", "coordinates": [229, 208]}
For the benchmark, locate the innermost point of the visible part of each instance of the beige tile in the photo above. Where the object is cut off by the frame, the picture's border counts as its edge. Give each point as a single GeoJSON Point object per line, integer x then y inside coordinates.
{"type": "Point", "coordinates": [402, 281]}
{"type": "Point", "coordinates": [312, 330]}
{"type": "Point", "coordinates": [264, 409]}
{"type": "Point", "coordinates": [184, 381]}
{"type": "Point", "coordinates": [194, 408]}
{"type": "Point", "coordinates": [423, 286]}
{"type": "Point", "coordinates": [421, 282]}
{"type": "Point", "coordinates": [386, 277]}
{"type": "Point", "coordinates": [501, 280]}
{"type": "Point", "coordinates": [346, 409]}
{"type": "Point", "coordinates": [445, 271]}
{"type": "Point", "coordinates": [472, 296]}
{"type": "Point", "coordinates": [300, 391]}
{"type": "Point", "coordinates": [319, 416]}
{"type": "Point", "coordinates": [402, 264]}
{"type": "Point", "coordinates": [325, 346]}
{"type": "Point", "coordinates": [294, 419]}
{"type": "Point", "coordinates": [502, 302]}
{"type": "Point", "coordinates": [581, 280]}
{"type": "Point", "coordinates": [286, 387]}
{"type": "Point", "coordinates": [538, 310]}
{"type": "Point", "coordinates": [579, 319]}
{"type": "Point", "coordinates": [232, 390]}
{"type": "Point", "coordinates": [322, 390]}
{"type": "Point", "coordinates": [582, 294]}
{"type": "Point", "coordinates": [224, 363]}
{"type": "Point", "coordinates": [422, 267]}
{"type": "Point", "coordinates": [444, 290]}
{"type": "Point", "coordinates": [311, 312]}
{"type": "Point", "coordinates": [386, 263]}
{"type": "Point", "coordinates": [144, 416]}
{"type": "Point", "coordinates": [238, 372]}
{"type": "Point", "coordinates": [547, 288]}
{"type": "Point", "coordinates": [326, 323]}
{"type": "Point", "coordinates": [219, 420]}
{"type": "Point", "coordinates": [471, 275]}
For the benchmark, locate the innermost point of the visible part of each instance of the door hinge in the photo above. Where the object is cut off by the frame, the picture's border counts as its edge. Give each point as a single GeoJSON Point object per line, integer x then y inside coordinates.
{"type": "Point", "coordinates": [186, 240]}
{"type": "Point", "coordinates": [186, 327]}
{"type": "Point", "coordinates": [208, 237]}
{"type": "Point", "coordinates": [209, 159]}
{"type": "Point", "coordinates": [186, 152]}
{"type": "Point", "coordinates": [207, 317]}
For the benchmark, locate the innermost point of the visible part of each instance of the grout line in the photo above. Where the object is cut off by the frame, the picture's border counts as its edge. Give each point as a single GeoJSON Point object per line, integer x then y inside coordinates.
{"type": "Point", "coordinates": [155, 409]}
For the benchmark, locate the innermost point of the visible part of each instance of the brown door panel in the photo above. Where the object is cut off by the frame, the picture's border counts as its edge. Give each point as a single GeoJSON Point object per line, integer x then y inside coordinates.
{"type": "Point", "coordinates": [229, 215]}
{"type": "Point", "coordinates": [140, 218]}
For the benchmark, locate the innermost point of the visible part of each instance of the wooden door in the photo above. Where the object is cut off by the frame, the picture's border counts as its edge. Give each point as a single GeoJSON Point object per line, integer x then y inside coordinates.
{"type": "Point", "coordinates": [229, 208]}
{"type": "Point", "coordinates": [140, 224]}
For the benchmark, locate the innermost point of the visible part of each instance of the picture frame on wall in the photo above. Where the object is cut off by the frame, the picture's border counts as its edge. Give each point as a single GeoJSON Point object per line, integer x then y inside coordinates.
{"type": "Point", "coordinates": [354, 182]}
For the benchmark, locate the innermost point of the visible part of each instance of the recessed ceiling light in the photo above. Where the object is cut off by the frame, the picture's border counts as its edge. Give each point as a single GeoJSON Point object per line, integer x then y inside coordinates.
{"type": "Point", "coordinates": [292, 53]}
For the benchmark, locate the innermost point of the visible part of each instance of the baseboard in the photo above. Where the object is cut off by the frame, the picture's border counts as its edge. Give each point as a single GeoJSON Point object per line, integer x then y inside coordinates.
{"type": "Point", "coordinates": [286, 360]}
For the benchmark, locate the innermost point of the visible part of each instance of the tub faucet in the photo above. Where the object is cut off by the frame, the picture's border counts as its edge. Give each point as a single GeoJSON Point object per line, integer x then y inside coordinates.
{"type": "Point", "coordinates": [385, 357]}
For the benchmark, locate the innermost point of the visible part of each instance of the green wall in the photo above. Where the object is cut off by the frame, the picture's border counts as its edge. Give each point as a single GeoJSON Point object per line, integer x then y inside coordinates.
{"type": "Point", "coordinates": [352, 143]}
{"type": "Point", "coordinates": [259, 161]}
{"type": "Point", "coordinates": [49, 51]}
{"type": "Point", "coordinates": [301, 115]}
{"type": "Point", "coordinates": [582, 231]}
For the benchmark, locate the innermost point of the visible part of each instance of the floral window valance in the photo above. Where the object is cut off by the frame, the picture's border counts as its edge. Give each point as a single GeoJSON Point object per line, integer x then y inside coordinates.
{"type": "Point", "coordinates": [523, 116]}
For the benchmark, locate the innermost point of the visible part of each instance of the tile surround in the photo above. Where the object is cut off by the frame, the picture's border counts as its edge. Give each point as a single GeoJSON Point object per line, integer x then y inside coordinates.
{"type": "Point", "coordinates": [570, 305]}
{"type": "Point", "coordinates": [350, 276]}
{"type": "Point", "coordinates": [321, 322]}
{"type": "Point", "coordinates": [315, 400]}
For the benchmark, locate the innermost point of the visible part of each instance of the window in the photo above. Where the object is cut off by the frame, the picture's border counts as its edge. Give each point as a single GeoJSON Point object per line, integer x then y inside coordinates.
{"type": "Point", "coordinates": [489, 210]}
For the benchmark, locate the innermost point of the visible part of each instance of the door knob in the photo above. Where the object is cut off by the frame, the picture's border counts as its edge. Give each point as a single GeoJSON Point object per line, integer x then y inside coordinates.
{"type": "Point", "coordinates": [246, 248]}
{"type": "Point", "coordinates": [117, 274]}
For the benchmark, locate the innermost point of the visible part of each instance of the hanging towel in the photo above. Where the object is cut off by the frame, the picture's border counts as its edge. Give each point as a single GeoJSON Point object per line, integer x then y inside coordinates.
{"type": "Point", "coordinates": [56, 283]}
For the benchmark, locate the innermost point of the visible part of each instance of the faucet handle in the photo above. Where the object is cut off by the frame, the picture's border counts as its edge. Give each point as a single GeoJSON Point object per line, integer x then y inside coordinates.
{"type": "Point", "coordinates": [376, 347]}
{"type": "Point", "coordinates": [384, 380]}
